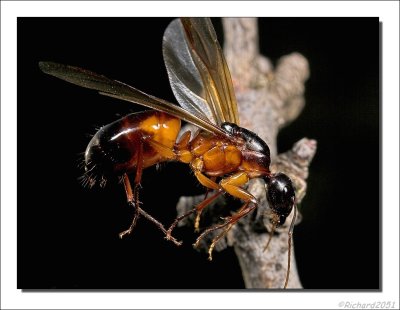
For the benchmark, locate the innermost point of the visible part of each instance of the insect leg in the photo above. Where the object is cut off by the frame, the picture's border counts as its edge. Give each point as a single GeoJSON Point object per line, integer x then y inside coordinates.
{"type": "Point", "coordinates": [197, 167]}
{"type": "Point", "coordinates": [173, 154]}
{"type": "Point", "coordinates": [140, 211]}
{"type": "Point", "coordinates": [232, 221]}
{"type": "Point", "coordinates": [244, 210]}
{"type": "Point", "coordinates": [163, 150]}
{"type": "Point", "coordinates": [209, 183]}
{"type": "Point", "coordinates": [131, 196]}
{"type": "Point", "coordinates": [158, 224]}
{"type": "Point", "coordinates": [133, 199]}
{"type": "Point", "coordinates": [232, 186]}
{"type": "Point", "coordinates": [200, 206]}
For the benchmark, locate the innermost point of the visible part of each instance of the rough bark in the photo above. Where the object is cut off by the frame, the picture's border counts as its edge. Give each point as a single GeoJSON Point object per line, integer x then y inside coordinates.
{"type": "Point", "coordinates": [268, 98]}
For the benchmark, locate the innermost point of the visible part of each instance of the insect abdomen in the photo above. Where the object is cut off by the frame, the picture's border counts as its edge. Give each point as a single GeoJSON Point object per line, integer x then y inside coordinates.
{"type": "Point", "coordinates": [116, 147]}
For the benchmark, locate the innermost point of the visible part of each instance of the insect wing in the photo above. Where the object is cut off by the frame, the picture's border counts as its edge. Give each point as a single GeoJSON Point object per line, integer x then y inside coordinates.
{"type": "Point", "coordinates": [210, 62]}
{"type": "Point", "coordinates": [119, 90]}
{"type": "Point", "coordinates": [184, 77]}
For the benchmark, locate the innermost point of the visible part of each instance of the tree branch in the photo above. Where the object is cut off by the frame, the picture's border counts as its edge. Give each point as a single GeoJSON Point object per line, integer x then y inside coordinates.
{"type": "Point", "coordinates": [268, 99]}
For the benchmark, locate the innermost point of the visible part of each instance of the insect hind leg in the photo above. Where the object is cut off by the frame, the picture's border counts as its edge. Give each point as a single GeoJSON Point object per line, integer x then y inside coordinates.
{"type": "Point", "coordinates": [133, 200]}
{"type": "Point", "coordinates": [140, 211]}
{"type": "Point", "coordinates": [133, 196]}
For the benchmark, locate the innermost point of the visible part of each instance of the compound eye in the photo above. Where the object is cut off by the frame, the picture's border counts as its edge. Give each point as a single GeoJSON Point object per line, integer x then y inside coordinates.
{"type": "Point", "coordinates": [281, 195]}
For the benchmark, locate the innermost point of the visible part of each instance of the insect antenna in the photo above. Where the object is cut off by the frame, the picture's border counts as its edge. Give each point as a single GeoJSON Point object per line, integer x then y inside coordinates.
{"type": "Point", "coordinates": [271, 234]}
{"type": "Point", "coordinates": [290, 237]}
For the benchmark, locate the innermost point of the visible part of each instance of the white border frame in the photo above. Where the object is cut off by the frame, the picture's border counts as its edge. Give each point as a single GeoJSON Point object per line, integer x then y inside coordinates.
{"type": "Point", "coordinates": [388, 14]}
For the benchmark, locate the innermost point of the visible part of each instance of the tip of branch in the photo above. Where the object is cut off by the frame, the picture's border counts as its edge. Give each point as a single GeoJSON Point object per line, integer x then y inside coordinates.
{"type": "Point", "coordinates": [304, 151]}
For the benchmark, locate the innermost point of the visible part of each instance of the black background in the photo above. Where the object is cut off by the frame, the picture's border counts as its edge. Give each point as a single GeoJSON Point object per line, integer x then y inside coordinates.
{"type": "Point", "coordinates": [68, 235]}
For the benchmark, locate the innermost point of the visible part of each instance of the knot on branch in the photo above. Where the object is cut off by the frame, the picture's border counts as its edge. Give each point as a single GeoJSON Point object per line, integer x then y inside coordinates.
{"type": "Point", "coordinates": [290, 74]}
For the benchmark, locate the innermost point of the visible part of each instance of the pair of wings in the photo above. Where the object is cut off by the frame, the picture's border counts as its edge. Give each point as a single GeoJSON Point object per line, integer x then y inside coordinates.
{"type": "Point", "coordinates": [197, 71]}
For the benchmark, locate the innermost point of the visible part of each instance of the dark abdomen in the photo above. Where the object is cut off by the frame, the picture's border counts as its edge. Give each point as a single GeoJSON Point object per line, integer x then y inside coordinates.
{"type": "Point", "coordinates": [116, 147]}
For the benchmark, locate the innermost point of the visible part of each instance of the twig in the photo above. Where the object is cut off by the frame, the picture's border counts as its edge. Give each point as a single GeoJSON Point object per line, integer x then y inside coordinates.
{"type": "Point", "coordinates": [268, 99]}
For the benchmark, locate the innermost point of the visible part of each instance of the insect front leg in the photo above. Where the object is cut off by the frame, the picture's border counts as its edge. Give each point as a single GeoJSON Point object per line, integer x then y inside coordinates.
{"type": "Point", "coordinates": [228, 224]}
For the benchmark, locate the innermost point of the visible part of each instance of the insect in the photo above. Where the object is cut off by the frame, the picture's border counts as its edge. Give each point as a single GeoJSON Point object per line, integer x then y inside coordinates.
{"type": "Point", "coordinates": [222, 155]}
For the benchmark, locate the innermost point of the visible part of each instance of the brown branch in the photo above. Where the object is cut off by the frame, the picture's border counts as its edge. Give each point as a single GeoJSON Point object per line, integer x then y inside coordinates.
{"type": "Point", "coordinates": [268, 99]}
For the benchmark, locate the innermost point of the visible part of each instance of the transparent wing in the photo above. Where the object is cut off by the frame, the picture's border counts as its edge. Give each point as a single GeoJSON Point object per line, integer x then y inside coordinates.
{"type": "Point", "coordinates": [116, 89]}
{"type": "Point", "coordinates": [184, 77]}
{"type": "Point", "coordinates": [208, 57]}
